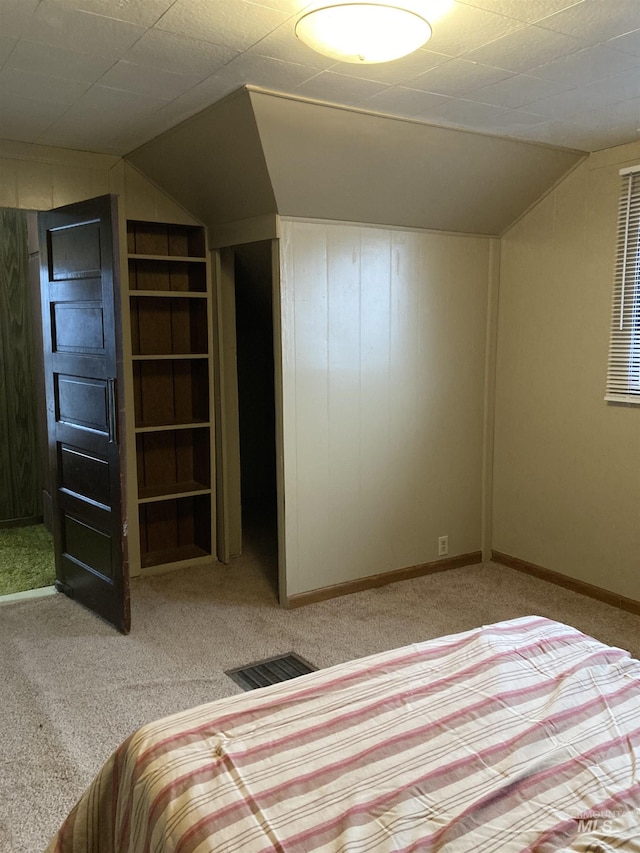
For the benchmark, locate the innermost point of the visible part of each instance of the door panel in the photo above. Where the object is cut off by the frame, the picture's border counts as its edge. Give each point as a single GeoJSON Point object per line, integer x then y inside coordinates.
{"type": "Point", "coordinates": [83, 367]}
{"type": "Point", "coordinates": [87, 547]}
{"type": "Point", "coordinates": [76, 251]}
{"type": "Point", "coordinates": [78, 328]}
{"type": "Point", "coordinates": [84, 475]}
{"type": "Point", "coordinates": [82, 403]}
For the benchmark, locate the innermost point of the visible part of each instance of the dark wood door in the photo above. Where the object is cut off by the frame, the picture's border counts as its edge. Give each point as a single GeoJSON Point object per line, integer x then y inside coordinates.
{"type": "Point", "coordinates": [79, 275]}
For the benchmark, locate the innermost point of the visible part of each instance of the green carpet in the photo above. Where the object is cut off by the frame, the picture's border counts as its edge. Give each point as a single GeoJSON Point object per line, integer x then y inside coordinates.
{"type": "Point", "coordinates": [26, 559]}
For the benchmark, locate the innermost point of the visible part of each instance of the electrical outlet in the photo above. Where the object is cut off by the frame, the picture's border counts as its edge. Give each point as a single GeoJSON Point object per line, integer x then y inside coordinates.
{"type": "Point", "coordinates": [443, 546]}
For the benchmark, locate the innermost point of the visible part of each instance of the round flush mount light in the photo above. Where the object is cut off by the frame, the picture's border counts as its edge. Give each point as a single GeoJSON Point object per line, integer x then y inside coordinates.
{"type": "Point", "coordinates": [363, 32]}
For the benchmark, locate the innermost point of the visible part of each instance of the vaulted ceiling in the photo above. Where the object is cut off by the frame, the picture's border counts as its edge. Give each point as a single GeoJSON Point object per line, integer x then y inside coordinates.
{"type": "Point", "coordinates": [254, 154]}
{"type": "Point", "coordinates": [109, 75]}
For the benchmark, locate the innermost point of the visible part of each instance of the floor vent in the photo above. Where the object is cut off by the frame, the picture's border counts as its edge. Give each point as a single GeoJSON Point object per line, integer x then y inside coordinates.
{"type": "Point", "coordinates": [270, 671]}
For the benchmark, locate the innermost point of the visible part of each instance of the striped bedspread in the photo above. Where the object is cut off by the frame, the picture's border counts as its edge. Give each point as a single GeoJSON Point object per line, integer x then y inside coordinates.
{"type": "Point", "coordinates": [518, 736]}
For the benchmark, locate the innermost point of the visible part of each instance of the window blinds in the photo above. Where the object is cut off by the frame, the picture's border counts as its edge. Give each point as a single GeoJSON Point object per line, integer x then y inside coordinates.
{"type": "Point", "coordinates": [623, 375]}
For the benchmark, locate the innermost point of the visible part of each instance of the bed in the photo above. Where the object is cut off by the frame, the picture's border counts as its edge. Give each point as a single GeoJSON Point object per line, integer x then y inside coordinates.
{"type": "Point", "coordinates": [523, 735]}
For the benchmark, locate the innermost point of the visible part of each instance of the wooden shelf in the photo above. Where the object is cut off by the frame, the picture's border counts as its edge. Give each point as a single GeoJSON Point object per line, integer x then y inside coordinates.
{"type": "Point", "coordinates": [186, 259]}
{"type": "Point", "coordinates": [171, 491]}
{"type": "Point", "coordinates": [168, 294]}
{"type": "Point", "coordinates": [175, 555]}
{"type": "Point", "coordinates": [173, 462]}
{"type": "Point", "coordinates": [175, 529]}
{"type": "Point", "coordinates": [171, 391]}
{"type": "Point", "coordinates": [168, 326]}
{"type": "Point", "coordinates": [174, 356]}
{"type": "Point", "coordinates": [144, 428]}
{"type": "Point", "coordinates": [159, 427]}
{"type": "Point", "coordinates": [167, 274]}
{"type": "Point", "coordinates": [160, 239]}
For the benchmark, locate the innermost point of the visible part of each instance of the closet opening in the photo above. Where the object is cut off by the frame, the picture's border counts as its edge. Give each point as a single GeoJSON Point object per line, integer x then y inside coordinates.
{"type": "Point", "coordinates": [256, 405]}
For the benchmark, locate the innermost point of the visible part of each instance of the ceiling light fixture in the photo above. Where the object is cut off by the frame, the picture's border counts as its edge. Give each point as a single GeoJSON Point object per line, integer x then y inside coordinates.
{"type": "Point", "coordinates": [363, 32]}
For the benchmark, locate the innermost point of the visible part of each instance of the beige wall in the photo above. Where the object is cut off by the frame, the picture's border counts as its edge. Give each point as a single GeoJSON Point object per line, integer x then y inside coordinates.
{"type": "Point", "coordinates": [38, 177]}
{"type": "Point", "coordinates": [383, 348]}
{"type": "Point", "coordinates": [567, 464]}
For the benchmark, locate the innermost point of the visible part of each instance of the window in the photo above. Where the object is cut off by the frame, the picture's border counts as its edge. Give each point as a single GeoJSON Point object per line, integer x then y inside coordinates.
{"type": "Point", "coordinates": [623, 377]}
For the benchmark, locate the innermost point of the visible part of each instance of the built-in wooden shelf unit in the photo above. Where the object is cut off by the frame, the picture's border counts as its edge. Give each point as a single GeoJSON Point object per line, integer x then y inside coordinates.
{"type": "Point", "coordinates": [175, 530]}
{"type": "Point", "coordinates": [169, 311]}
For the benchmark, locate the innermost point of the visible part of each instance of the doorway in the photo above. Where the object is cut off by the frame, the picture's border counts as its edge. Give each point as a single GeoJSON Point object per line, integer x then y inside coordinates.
{"type": "Point", "coordinates": [78, 272]}
{"type": "Point", "coordinates": [256, 403]}
{"type": "Point", "coordinates": [26, 546]}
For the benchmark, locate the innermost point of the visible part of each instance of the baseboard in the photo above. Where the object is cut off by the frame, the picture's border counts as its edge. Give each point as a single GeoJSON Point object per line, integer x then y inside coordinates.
{"type": "Point", "coordinates": [20, 522]}
{"type": "Point", "coordinates": [588, 589]}
{"type": "Point", "coordinates": [373, 581]}
{"type": "Point", "coordinates": [29, 594]}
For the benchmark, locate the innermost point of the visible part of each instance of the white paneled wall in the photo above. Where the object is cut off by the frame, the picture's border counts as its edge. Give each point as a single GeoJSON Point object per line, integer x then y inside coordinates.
{"type": "Point", "coordinates": [383, 379]}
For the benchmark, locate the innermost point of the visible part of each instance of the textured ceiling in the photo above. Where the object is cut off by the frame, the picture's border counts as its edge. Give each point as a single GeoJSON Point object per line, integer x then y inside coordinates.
{"type": "Point", "coordinates": [109, 75]}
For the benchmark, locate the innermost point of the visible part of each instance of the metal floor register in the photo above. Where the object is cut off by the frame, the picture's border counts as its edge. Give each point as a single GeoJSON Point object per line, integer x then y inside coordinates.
{"type": "Point", "coordinates": [270, 671]}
